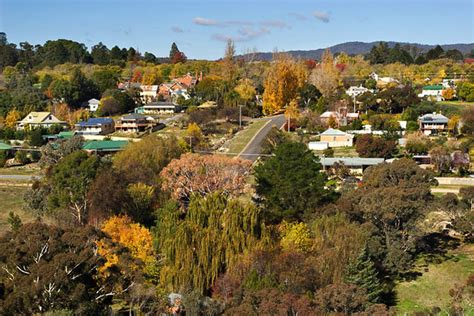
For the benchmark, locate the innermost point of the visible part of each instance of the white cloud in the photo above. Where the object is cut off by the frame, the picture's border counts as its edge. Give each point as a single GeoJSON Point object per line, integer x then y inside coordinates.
{"type": "Point", "coordinates": [322, 16]}
{"type": "Point", "coordinates": [205, 22]}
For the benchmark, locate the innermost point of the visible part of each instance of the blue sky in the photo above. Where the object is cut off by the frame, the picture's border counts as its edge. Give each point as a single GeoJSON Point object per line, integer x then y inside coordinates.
{"type": "Point", "coordinates": [200, 28]}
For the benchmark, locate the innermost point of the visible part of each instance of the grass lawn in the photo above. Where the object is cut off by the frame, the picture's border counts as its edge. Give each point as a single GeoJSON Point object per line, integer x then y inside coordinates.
{"type": "Point", "coordinates": [345, 152]}
{"type": "Point", "coordinates": [12, 201]}
{"type": "Point", "coordinates": [431, 289]}
{"type": "Point", "coordinates": [242, 138]}
{"type": "Point", "coordinates": [31, 169]}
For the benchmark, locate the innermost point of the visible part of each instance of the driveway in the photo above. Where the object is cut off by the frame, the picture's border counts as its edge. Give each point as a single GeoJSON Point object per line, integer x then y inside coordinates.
{"type": "Point", "coordinates": [252, 150]}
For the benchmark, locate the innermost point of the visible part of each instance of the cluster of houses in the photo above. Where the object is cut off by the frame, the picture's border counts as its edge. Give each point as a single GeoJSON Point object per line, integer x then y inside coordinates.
{"type": "Point", "coordinates": [131, 123]}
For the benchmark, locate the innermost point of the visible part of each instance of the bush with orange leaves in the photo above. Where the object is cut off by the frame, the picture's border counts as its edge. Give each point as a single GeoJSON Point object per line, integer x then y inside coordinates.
{"type": "Point", "coordinates": [197, 174]}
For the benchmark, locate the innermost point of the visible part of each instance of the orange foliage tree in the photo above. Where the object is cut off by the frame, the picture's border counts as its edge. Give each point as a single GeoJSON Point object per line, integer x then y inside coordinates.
{"type": "Point", "coordinates": [196, 174]}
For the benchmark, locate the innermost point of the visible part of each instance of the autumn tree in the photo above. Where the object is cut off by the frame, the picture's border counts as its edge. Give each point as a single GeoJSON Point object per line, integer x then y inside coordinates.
{"type": "Point", "coordinates": [468, 121]}
{"type": "Point", "coordinates": [143, 161]}
{"type": "Point", "coordinates": [12, 118]}
{"type": "Point", "coordinates": [229, 67]}
{"type": "Point", "coordinates": [373, 147]}
{"type": "Point", "coordinates": [290, 183]}
{"type": "Point", "coordinates": [448, 94]}
{"type": "Point", "coordinates": [325, 76]}
{"type": "Point", "coordinates": [201, 175]}
{"type": "Point", "coordinates": [441, 159]}
{"type": "Point", "coordinates": [209, 239]}
{"type": "Point", "coordinates": [282, 81]}
{"type": "Point", "coordinates": [291, 113]}
{"type": "Point", "coordinates": [246, 90]}
{"type": "Point", "coordinates": [133, 236]}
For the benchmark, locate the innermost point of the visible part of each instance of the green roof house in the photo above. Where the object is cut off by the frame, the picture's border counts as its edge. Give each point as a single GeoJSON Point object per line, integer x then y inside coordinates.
{"type": "Point", "coordinates": [433, 92]}
{"type": "Point", "coordinates": [105, 146]}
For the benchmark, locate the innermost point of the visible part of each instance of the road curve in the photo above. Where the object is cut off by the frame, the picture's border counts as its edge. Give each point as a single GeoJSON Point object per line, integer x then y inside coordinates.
{"type": "Point", "coordinates": [253, 148]}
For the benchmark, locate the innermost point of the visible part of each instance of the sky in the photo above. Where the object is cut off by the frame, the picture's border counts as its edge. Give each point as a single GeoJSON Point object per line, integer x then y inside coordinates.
{"type": "Point", "coordinates": [201, 28]}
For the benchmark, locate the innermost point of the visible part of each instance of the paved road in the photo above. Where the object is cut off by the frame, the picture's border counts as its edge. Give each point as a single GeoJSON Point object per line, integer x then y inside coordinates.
{"type": "Point", "coordinates": [168, 120]}
{"type": "Point", "coordinates": [252, 150]}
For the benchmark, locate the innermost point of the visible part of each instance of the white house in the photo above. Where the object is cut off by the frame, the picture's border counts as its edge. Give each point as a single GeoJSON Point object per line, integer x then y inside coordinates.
{"type": "Point", "coordinates": [93, 105]}
{"type": "Point", "coordinates": [354, 91]}
{"type": "Point", "coordinates": [95, 126]}
{"type": "Point", "coordinates": [382, 80]}
{"type": "Point", "coordinates": [318, 145]}
{"type": "Point", "coordinates": [149, 93]}
{"type": "Point", "coordinates": [434, 92]}
{"type": "Point", "coordinates": [39, 119]}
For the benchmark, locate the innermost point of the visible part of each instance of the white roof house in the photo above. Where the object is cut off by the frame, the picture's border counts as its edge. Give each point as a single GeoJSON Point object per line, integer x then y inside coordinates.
{"type": "Point", "coordinates": [433, 123]}
{"type": "Point", "coordinates": [93, 105]}
{"type": "Point", "coordinates": [39, 119]}
{"type": "Point", "coordinates": [354, 91]}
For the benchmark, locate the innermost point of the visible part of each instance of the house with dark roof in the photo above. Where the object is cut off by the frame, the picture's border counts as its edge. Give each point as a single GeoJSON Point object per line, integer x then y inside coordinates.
{"type": "Point", "coordinates": [95, 126]}
{"type": "Point", "coordinates": [134, 123]}
{"type": "Point", "coordinates": [433, 123]}
{"type": "Point", "coordinates": [158, 107]}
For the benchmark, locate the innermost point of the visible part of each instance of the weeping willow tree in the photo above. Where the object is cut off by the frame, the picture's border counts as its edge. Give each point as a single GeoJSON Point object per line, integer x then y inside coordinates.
{"type": "Point", "coordinates": [214, 232]}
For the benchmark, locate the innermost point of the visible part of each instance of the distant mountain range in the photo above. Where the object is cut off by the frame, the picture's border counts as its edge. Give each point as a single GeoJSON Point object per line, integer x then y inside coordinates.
{"type": "Point", "coordinates": [355, 48]}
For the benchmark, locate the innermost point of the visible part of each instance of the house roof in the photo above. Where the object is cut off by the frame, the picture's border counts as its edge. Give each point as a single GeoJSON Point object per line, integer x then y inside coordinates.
{"type": "Point", "coordinates": [36, 117]}
{"type": "Point", "coordinates": [67, 134]}
{"type": "Point", "coordinates": [105, 145]}
{"type": "Point", "coordinates": [433, 118]}
{"type": "Point", "coordinates": [4, 146]}
{"type": "Point", "coordinates": [433, 87]}
{"type": "Point", "coordinates": [351, 161]}
{"type": "Point", "coordinates": [134, 117]}
{"type": "Point", "coordinates": [333, 132]}
{"type": "Point", "coordinates": [96, 121]}
{"type": "Point", "coordinates": [93, 101]}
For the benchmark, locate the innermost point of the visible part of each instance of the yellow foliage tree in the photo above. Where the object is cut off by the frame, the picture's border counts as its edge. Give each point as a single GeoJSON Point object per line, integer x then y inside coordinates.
{"type": "Point", "coordinates": [295, 236]}
{"type": "Point", "coordinates": [283, 79]}
{"type": "Point", "coordinates": [246, 90]}
{"type": "Point", "coordinates": [12, 117]}
{"type": "Point", "coordinates": [291, 112]}
{"type": "Point", "coordinates": [326, 76]}
{"type": "Point", "coordinates": [131, 235]}
{"type": "Point", "coordinates": [448, 94]}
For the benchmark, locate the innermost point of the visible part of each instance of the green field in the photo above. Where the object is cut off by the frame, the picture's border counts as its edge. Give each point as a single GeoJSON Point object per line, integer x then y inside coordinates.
{"type": "Point", "coordinates": [431, 289]}
{"type": "Point", "coordinates": [12, 201]}
{"type": "Point", "coordinates": [241, 140]}
{"type": "Point", "coordinates": [30, 169]}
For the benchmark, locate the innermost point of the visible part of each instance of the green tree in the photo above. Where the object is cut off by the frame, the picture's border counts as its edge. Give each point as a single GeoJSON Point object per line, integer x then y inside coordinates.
{"type": "Point", "coordinates": [363, 273]}
{"type": "Point", "coordinates": [106, 78]}
{"type": "Point", "coordinates": [100, 54]}
{"type": "Point", "coordinates": [375, 147]}
{"type": "Point", "coordinates": [291, 183]}
{"type": "Point", "coordinates": [174, 50]}
{"type": "Point", "coordinates": [70, 180]}
{"type": "Point", "coordinates": [211, 236]}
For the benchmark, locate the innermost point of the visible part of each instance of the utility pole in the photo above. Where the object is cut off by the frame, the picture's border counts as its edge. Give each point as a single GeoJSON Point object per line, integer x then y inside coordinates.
{"type": "Point", "coordinates": [240, 116]}
{"type": "Point", "coordinates": [354, 103]}
{"type": "Point", "coordinates": [190, 142]}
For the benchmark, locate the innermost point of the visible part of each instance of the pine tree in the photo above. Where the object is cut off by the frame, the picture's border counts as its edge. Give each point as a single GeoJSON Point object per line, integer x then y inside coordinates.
{"type": "Point", "coordinates": [363, 274]}
{"type": "Point", "coordinates": [174, 50]}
